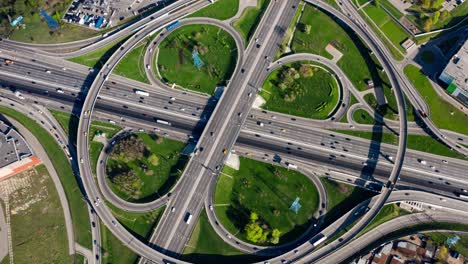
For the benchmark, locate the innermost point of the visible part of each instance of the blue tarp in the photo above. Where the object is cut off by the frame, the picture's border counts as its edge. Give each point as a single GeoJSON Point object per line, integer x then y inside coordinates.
{"type": "Point", "coordinates": [99, 22]}
{"type": "Point", "coordinates": [50, 21]}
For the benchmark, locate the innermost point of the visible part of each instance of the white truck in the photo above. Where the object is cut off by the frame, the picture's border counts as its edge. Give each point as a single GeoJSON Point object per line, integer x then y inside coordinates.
{"type": "Point", "coordinates": [141, 92]}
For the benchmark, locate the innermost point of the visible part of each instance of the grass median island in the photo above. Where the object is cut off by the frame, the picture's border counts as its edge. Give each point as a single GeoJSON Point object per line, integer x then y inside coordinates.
{"type": "Point", "coordinates": [221, 9]}
{"type": "Point", "coordinates": [342, 198]}
{"type": "Point", "coordinates": [248, 21]}
{"type": "Point", "coordinates": [268, 191]}
{"type": "Point", "coordinates": [442, 113]}
{"type": "Point", "coordinates": [76, 201]}
{"type": "Point", "coordinates": [387, 213]}
{"type": "Point", "coordinates": [414, 142]}
{"type": "Point", "coordinates": [139, 224]}
{"type": "Point", "coordinates": [132, 65]}
{"type": "Point", "coordinates": [205, 246]}
{"type": "Point", "coordinates": [301, 89]}
{"type": "Point", "coordinates": [98, 57]}
{"type": "Point", "coordinates": [69, 123]}
{"type": "Point", "coordinates": [113, 251]}
{"type": "Point", "coordinates": [37, 220]}
{"type": "Point", "coordinates": [361, 116]}
{"type": "Point", "coordinates": [214, 46]}
{"type": "Point", "coordinates": [142, 167]}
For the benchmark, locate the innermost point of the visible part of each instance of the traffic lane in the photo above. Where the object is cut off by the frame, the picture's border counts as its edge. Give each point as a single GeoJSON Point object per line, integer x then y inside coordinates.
{"type": "Point", "coordinates": [234, 130]}
{"type": "Point", "coordinates": [315, 160]}
{"type": "Point", "coordinates": [337, 142]}
{"type": "Point", "coordinates": [214, 125]}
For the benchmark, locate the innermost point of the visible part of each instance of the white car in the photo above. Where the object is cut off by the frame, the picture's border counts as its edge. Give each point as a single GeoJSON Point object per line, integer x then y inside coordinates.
{"type": "Point", "coordinates": [211, 207]}
{"type": "Point", "coordinates": [423, 162]}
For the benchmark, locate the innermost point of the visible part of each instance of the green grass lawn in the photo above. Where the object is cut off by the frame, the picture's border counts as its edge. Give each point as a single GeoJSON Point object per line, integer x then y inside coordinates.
{"type": "Point", "coordinates": [316, 96]}
{"type": "Point", "coordinates": [263, 188]}
{"type": "Point", "coordinates": [37, 31]}
{"type": "Point", "coordinates": [72, 126]}
{"type": "Point", "coordinates": [205, 246]}
{"type": "Point", "coordinates": [415, 142]}
{"type": "Point", "coordinates": [361, 116]}
{"type": "Point", "coordinates": [113, 251]}
{"type": "Point", "coordinates": [156, 179]}
{"type": "Point", "coordinates": [248, 21]}
{"type": "Point", "coordinates": [391, 29]}
{"type": "Point", "coordinates": [342, 198]}
{"type": "Point", "coordinates": [79, 211]}
{"type": "Point", "coordinates": [132, 65]}
{"type": "Point", "coordinates": [221, 9]}
{"type": "Point", "coordinates": [97, 58]}
{"type": "Point", "coordinates": [94, 151]}
{"type": "Point", "coordinates": [387, 213]}
{"type": "Point", "coordinates": [216, 49]}
{"type": "Point", "coordinates": [38, 225]}
{"type": "Point", "coordinates": [354, 52]}
{"type": "Point", "coordinates": [140, 224]}
{"type": "Point", "coordinates": [391, 8]}
{"type": "Point", "coordinates": [442, 113]}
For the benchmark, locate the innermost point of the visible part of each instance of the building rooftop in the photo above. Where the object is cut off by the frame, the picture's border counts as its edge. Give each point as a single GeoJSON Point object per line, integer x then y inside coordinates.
{"type": "Point", "coordinates": [457, 67]}
{"type": "Point", "coordinates": [13, 147]}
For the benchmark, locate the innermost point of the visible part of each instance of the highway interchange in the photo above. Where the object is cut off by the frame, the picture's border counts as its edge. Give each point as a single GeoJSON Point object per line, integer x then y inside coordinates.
{"type": "Point", "coordinates": [217, 127]}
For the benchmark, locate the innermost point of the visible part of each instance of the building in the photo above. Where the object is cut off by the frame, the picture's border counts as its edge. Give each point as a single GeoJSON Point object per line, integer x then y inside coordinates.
{"type": "Point", "coordinates": [15, 153]}
{"type": "Point", "coordinates": [455, 75]}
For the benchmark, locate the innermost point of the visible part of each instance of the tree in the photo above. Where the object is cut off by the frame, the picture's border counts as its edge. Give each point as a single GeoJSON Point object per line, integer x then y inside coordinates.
{"type": "Point", "coordinates": [437, 4]}
{"type": "Point", "coordinates": [276, 212]}
{"type": "Point", "coordinates": [306, 70]}
{"type": "Point", "coordinates": [254, 232]}
{"type": "Point", "coordinates": [154, 159]}
{"type": "Point", "coordinates": [427, 24]}
{"type": "Point", "coordinates": [426, 4]}
{"type": "Point", "coordinates": [275, 234]}
{"type": "Point", "coordinates": [253, 217]}
{"type": "Point", "coordinates": [436, 16]}
{"type": "Point", "coordinates": [377, 3]}
{"type": "Point", "coordinates": [444, 15]}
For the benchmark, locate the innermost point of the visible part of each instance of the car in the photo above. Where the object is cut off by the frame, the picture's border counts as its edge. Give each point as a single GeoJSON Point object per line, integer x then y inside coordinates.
{"type": "Point", "coordinates": [93, 224]}
{"type": "Point", "coordinates": [423, 162]}
{"type": "Point", "coordinates": [172, 209]}
{"type": "Point", "coordinates": [218, 168]}
{"type": "Point", "coordinates": [444, 161]}
{"type": "Point", "coordinates": [114, 223]}
{"type": "Point", "coordinates": [211, 207]}
{"type": "Point", "coordinates": [225, 151]}
{"type": "Point", "coordinates": [48, 71]}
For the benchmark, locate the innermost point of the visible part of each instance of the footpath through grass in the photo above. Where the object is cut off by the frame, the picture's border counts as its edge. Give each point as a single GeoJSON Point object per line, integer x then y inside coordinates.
{"type": "Point", "coordinates": [442, 113]}
{"type": "Point", "coordinates": [313, 94]}
{"type": "Point", "coordinates": [248, 21]}
{"type": "Point", "coordinates": [205, 246]}
{"type": "Point", "coordinates": [221, 9]}
{"type": "Point", "coordinates": [215, 47]}
{"type": "Point", "coordinates": [268, 191]}
{"type": "Point", "coordinates": [79, 211]}
{"type": "Point", "coordinates": [37, 224]}
{"type": "Point", "coordinates": [415, 142]}
{"type": "Point", "coordinates": [156, 171]}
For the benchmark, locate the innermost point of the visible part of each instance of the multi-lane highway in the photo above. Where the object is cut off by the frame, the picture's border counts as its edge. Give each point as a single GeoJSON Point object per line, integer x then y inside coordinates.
{"type": "Point", "coordinates": [227, 121]}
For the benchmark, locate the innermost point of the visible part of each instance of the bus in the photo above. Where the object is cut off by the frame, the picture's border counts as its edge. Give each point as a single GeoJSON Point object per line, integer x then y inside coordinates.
{"type": "Point", "coordinates": [172, 26]}
{"type": "Point", "coordinates": [141, 92]}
